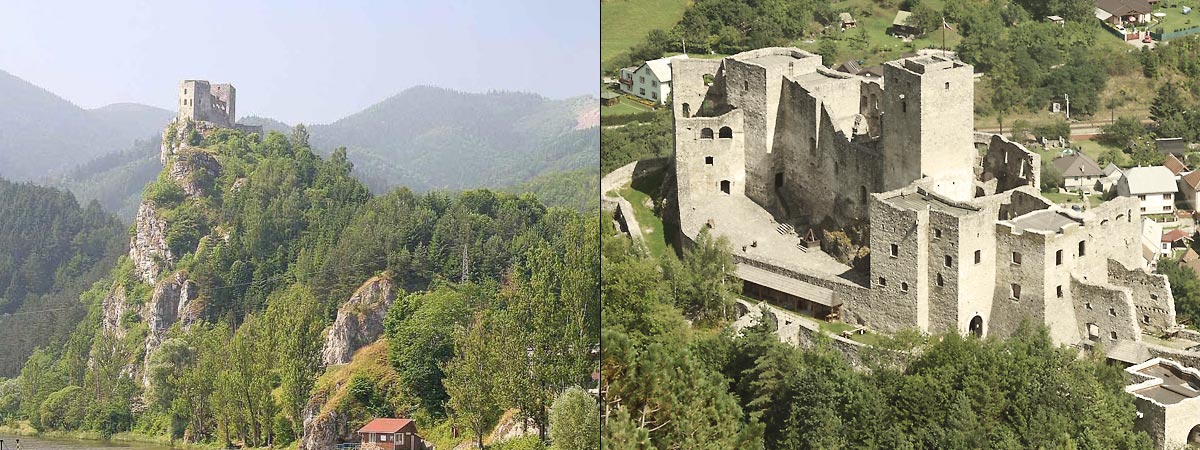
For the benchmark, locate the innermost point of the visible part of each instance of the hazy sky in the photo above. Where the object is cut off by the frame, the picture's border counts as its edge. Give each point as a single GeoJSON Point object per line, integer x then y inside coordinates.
{"type": "Point", "coordinates": [300, 61]}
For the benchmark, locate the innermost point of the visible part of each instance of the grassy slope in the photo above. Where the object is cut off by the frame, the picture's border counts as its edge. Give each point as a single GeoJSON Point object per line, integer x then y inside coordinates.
{"type": "Point", "coordinates": [624, 23]}
{"type": "Point", "coordinates": [881, 46]}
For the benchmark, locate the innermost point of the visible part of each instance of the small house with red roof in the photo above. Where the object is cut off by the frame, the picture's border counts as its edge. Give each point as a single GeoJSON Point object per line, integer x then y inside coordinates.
{"type": "Point", "coordinates": [391, 434]}
{"type": "Point", "coordinates": [1173, 239]}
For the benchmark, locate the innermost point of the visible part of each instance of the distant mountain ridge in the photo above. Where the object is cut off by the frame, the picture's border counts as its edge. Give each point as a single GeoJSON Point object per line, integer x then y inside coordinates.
{"type": "Point", "coordinates": [434, 138]}
{"type": "Point", "coordinates": [42, 134]}
{"type": "Point", "coordinates": [425, 138]}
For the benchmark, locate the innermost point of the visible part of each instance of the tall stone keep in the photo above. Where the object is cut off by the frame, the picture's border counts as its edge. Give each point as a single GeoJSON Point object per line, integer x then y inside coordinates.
{"type": "Point", "coordinates": [928, 124]}
{"type": "Point", "coordinates": [201, 101]}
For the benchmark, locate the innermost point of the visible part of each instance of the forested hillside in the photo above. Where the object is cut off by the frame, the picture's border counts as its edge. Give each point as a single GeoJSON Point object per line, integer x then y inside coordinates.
{"type": "Point", "coordinates": [245, 251]}
{"type": "Point", "coordinates": [51, 250]}
{"type": "Point", "coordinates": [45, 135]}
{"type": "Point", "coordinates": [431, 138]}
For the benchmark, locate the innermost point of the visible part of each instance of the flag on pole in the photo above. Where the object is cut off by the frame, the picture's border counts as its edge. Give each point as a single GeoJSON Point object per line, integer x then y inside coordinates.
{"type": "Point", "coordinates": [946, 25]}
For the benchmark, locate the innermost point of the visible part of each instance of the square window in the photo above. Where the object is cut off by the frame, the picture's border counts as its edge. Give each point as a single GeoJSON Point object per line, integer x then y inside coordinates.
{"type": "Point", "coordinates": [882, 281]}
{"type": "Point", "coordinates": [1113, 335]}
{"type": "Point", "coordinates": [895, 250]}
{"type": "Point", "coordinates": [1016, 258]}
{"type": "Point", "coordinates": [1145, 318]}
{"type": "Point", "coordinates": [1112, 312]}
{"type": "Point", "coordinates": [949, 261]}
{"type": "Point", "coordinates": [1016, 291]}
{"type": "Point", "coordinates": [708, 160]}
{"type": "Point", "coordinates": [937, 233]}
{"type": "Point", "coordinates": [903, 287]}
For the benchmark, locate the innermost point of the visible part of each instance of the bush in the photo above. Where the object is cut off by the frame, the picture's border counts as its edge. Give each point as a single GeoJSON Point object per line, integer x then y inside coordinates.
{"type": "Point", "coordinates": [64, 409]}
{"type": "Point", "coordinates": [164, 192]}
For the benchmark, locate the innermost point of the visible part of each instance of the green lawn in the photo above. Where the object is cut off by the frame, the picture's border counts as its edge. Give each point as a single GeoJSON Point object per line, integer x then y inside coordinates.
{"type": "Point", "coordinates": [1058, 197]}
{"type": "Point", "coordinates": [624, 23]}
{"type": "Point", "coordinates": [653, 231]}
{"type": "Point", "coordinates": [625, 107]}
{"type": "Point", "coordinates": [1175, 19]}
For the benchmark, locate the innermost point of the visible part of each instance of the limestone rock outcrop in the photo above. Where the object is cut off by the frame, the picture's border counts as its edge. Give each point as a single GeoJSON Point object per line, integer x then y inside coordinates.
{"type": "Point", "coordinates": [113, 308]}
{"type": "Point", "coordinates": [148, 246]}
{"type": "Point", "coordinates": [194, 170]}
{"type": "Point", "coordinates": [359, 321]}
{"type": "Point", "coordinates": [321, 431]}
{"type": "Point", "coordinates": [173, 301]}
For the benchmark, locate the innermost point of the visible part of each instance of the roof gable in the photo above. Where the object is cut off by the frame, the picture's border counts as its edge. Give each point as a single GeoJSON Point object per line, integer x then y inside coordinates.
{"type": "Point", "coordinates": [1174, 164]}
{"type": "Point", "coordinates": [661, 67]}
{"type": "Point", "coordinates": [1078, 165]}
{"type": "Point", "coordinates": [1124, 7]}
{"type": "Point", "coordinates": [385, 425]}
{"type": "Point", "coordinates": [1149, 180]}
{"type": "Point", "coordinates": [1192, 179]}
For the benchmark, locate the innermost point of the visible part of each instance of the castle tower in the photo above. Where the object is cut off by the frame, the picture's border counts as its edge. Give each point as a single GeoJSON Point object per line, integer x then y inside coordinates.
{"type": "Point", "coordinates": [192, 96]}
{"type": "Point", "coordinates": [199, 100]}
{"type": "Point", "coordinates": [928, 124]}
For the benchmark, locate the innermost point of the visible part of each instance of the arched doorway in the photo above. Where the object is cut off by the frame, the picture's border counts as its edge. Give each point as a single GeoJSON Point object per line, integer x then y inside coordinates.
{"type": "Point", "coordinates": [1193, 436]}
{"type": "Point", "coordinates": [976, 327]}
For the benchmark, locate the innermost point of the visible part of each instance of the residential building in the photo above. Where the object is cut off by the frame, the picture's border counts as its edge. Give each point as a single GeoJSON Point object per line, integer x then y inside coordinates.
{"type": "Point", "coordinates": [904, 24]}
{"type": "Point", "coordinates": [847, 20]}
{"type": "Point", "coordinates": [1175, 239]}
{"type": "Point", "coordinates": [1116, 12]}
{"type": "Point", "coordinates": [1189, 186]}
{"type": "Point", "coordinates": [391, 434]}
{"type": "Point", "coordinates": [1153, 186]}
{"type": "Point", "coordinates": [1112, 174]}
{"type": "Point", "coordinates": [1171, 146]}
{"type": "Point", "coordinates": [1079, 171]}
{"type": "Point", "coordinates": [651, 80]}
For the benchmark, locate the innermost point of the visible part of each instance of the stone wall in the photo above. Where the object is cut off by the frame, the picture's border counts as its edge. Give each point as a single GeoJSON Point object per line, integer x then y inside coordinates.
{"type": "Point", "coordinates": [1011, 165]}
{"type": "Point", "coordinates": [1151, 296]}
{"type": "Point", "coordinates": [1103, 313]}
{"type": "Point", "coordinates": [890, 308]}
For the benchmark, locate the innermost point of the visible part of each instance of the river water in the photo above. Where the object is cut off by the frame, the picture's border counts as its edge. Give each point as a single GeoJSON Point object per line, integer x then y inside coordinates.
{"type": "Point", "coordinates": [29, 443]}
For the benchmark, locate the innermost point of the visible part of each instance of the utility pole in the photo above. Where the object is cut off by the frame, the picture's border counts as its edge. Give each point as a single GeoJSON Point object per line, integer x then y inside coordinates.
{"type": "Point", "coordinates": [1067, 97]}
{"type": "Point", "coordinates": [684, 39]}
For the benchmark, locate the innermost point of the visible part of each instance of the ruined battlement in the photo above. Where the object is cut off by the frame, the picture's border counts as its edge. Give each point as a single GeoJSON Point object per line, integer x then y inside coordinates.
{"type": "Point", "coordinates": [202, 101]}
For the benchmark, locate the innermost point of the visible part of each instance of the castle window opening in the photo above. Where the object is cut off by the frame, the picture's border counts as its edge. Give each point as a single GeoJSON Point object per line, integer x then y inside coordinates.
{"type": "Point", "coordinates": [904, 106]}
{"type": "Point", "coordinates": [978, 256]}
{"type": "Point", "coordinates": [937, 233]}
{"type": "Point", "coordinates": [746, 85]}
{"type": "Point", "coordinates": [882, 282]}
{"type": "Point", "coordinates": [1016, 258]}
{"type": "Point", "coordinates": [812, 146]}
{"type": "Point", "coordinates": [947, 85]}
{"type": "Point", "coordinates": [687, 110]}
{"type": "Point", "coordinates": [725, 186]}
{"type": "Point", "coordinates": [1058, 291]}
{"type": "Point", "coordinates": [1153, 297]}
{"type": "Point", "coordinates": [706, 133]}
{"type": "Point", "coordinates": [1093, 331]}
{"type": "Point", "coordinates": [1088, 305]}
{"type": "Point", "coordinates": [1113, 335]}
{"type": "Point", "coordinates": [862, 194]}
{"type": "Point", "coordinates": [1081, 244]}
{"type": "Point", "coordinates": [940, 281]}
{"type": "Point", "coordinates": [184, 91]}
{"type": "Point", "coordinates": [726, 133]}
{"type": "Point", "coordinates": [949, 261]}
{"type": "Point", "coordinates": [1145, 318]}
{"type": "Point", "coordinates": [1016, 291]}
{"type": "Point", "coordinates": [708, 160]}
{"type": "Point", "coordinates": [1112, 312]}
{"type": "Point", "coordinates": [1058, 258]}
{"type": "Point", "coordinates": [895, 250]}
{"type": "Point", "coordinates": [903, 287]}
{"type": "Point", "coordinates": [779, 179]}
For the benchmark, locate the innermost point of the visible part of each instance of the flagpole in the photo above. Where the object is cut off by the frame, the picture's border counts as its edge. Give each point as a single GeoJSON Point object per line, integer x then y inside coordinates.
{"type": "Point", "coordinates": [944, 25]}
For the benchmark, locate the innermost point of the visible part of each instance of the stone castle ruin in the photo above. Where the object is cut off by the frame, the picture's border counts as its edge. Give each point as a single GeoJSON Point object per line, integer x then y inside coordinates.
{"type": "Point", "coordinates": [202, 101]}
{"type": "Point", "coordinates": [772, 149]}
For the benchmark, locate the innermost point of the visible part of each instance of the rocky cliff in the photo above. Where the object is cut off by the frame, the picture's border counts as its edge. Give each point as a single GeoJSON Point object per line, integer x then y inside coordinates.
{"type": "Point", "coordinates": [148, 245]}
{"type": "Point", "coordinates": [359, 321]}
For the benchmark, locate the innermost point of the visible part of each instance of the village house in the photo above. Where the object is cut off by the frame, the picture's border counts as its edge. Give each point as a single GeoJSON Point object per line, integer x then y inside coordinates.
{"type": "Point", "coordinates": [1117, 11]}
{"type": "Point", "coordinates": [847, 20]}
{"type": "Point", "coordinates": [1171, 146]}
{"type": "Point", "coordinates": [391, 434]}
{"type": "Point", "coordinates": [1112, 175]}
{"type": "Point", "coordinates": [904, 24]}
{"type": "Point", "coordinates": [1079, 171]}
{"type": "Point", "coordinates": [651, 80]}
{"type": "Point", "coordinates": [1175, 239]}
{"type": "Point", "coordinates": [1189, 186]}
{"type": "Point", "coordinates": [1153, 186]}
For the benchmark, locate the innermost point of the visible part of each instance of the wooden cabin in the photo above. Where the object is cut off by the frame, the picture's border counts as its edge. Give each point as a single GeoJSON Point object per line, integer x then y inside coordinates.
{"type": "Point", "coordinates": [391, 434]}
